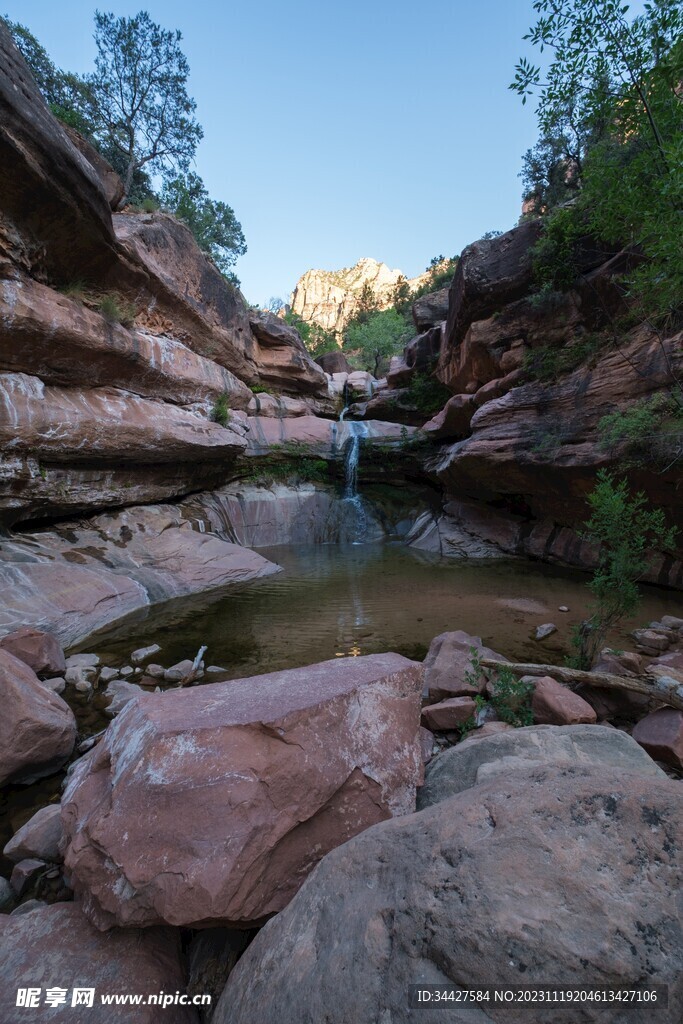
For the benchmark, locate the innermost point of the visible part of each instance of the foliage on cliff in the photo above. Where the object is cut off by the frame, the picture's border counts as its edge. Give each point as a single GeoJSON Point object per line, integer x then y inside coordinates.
{"type": "Point", "coordinates": [135, 109]}
{"type": "Point", "coordinates": [610, 114]}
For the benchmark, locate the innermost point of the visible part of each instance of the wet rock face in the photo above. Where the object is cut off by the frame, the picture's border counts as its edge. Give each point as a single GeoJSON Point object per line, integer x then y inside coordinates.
{"type": "Point", "coordinates": [78, 577]}
{"type": "Point", "coordinates": [266, 775]}
{"type": "Point", "coordinates": [56, 947]}
{"type": "Point", "coordinates": [567, 873]}
{"type": "Point", "coordinates": [37, 729]}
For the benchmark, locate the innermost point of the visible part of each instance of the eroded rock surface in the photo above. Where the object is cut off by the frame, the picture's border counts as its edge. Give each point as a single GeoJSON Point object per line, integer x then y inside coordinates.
{"type": "Point", "coordinates": [567, 873]}
{"type": "Point", "coordinates": [55, 947]}
{"type": "Point", "coordinates": [266, 775]}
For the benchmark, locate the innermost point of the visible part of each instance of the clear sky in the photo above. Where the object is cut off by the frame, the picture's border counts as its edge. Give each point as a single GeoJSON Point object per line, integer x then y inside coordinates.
{"type": "Point", "coordinates": [375, 128]}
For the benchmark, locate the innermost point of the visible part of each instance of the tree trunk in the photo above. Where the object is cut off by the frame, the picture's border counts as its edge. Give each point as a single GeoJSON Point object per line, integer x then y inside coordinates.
{"type": "Point", "coordinates": [661, 689]}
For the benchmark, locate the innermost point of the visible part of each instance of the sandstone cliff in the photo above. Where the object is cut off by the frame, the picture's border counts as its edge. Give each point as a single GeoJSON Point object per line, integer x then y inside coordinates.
{"type": "Point", "coordinates": [117, 335]}
{"type": "Point", "coordinates": [329, 298]}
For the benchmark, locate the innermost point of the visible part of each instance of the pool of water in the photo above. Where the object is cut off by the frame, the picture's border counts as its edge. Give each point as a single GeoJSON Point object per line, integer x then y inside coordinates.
{"type": "Point", "coordinates": [348, 600]}
{"type": "Point", "coordinates": [344, 601]}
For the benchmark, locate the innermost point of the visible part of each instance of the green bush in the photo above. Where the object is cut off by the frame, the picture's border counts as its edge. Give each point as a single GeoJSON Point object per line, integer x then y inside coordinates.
{"type": "Point", "coordinates": [117, 310]}
{"type": "Point", "coordinates": [512, 698]}
{"type": "Point", "coordinates": [425, 393]}
{"type": "Point", "coordinates": [626, 528]}
{"type": "Point", "coordinates": [549, 362]}
{"type": "Point", "coordinates": [220, 413]}
{"type": "Point", "coordinates": [651, 431]}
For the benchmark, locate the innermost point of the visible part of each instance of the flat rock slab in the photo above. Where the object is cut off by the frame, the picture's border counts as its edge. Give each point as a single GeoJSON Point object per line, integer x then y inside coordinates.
{"type": "Point", "coordinates": [56, 947]}
{"type": "Point", "coordinates": [569, 873]}
{"type": "Point", "coordinates": [211, 805]}
{"type": "Point", "coordinates": [473, 763]}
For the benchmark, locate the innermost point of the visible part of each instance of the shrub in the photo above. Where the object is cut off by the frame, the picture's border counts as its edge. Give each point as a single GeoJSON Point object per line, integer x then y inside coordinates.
{"type": "Point", "coordinates": [547, 363]}
{"type": "Point", "coordinates": [649, 431]}
{"type": "Point", "coordinates": [425, 393]}
{"type": "Point", "coordinates": [626, 528]}
{"type": "Point", "coordinates": [512, 698]}
{"type": "Point", "coordinates": [220, 412]}
{"type": "Point", "coordinates": [116, 310]}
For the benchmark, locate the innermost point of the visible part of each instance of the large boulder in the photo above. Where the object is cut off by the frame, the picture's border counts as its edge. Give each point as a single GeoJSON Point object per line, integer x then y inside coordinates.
{"type": "Point", "coordinates": [334, 362]}
{"type": "Point", "coordinates": [430, 309]}
{"type": "Point", "coordinates": [564, 875]}
{"type": "Point", "coordinates": [55, 947]}
{"type": "Point", "coordinates": [56, 217]}
{"type": "Point", "coordinates": [39, 650]}
{"type": "Point", "coordinates": [265, 774]}
{"type": "Point", "coordinates": [475, 763]}
{"type": "Point", "coordinates": [490, 273]}
{"type": "Point", "coordinates": [283, 360]}
{"type": "Point", "coordinates": [37, 729]}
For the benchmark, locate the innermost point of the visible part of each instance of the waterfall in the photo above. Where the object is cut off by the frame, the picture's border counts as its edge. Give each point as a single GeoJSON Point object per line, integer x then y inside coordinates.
{"type": "Point", "coordinates": [352, 500]}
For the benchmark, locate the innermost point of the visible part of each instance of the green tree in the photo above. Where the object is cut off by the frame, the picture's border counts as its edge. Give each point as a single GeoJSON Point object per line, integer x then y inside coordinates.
{"type": "Point", "coordinates": [370, 342]}
{"type": "Point", "coordinates": [616, 83]}
{"type": "Point", "coordinates": [140, 106]}
{"type": "Point", "coordinates": [626, 528]}
{"type": "Point", "coordinates": [67, 95]}
{"type": "Point", "coordinates": [317, 340]}
{"type": "Point", "coordinates": [213, 223]}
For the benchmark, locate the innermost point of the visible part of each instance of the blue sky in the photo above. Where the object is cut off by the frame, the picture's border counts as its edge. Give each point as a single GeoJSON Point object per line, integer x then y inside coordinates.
{"type": "Point", "coordinates": [366, 128]}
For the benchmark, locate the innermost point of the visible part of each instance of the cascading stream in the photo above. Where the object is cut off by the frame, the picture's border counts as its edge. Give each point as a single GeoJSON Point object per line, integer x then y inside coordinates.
{"type": "Point", "coordinates": [352, 499]}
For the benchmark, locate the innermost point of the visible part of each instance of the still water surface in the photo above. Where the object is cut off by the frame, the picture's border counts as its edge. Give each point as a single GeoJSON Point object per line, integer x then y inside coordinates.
{"type": "Point", "coordinates": [341, 600]}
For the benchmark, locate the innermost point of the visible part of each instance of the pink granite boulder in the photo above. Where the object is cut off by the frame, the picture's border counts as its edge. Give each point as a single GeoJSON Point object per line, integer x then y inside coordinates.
{"type": "Point", "coordinates": [211, 805]}
{"type": "Point", "coordinates": [39, 837]}
{"type": "Point", "coordinates": [37, 728]}
{"type": "Point", "coordinates": [449, 667]}
{"type": "Point", "coordinates": [55, 947]}
{"type": "Point", "coordinates": [661, 734]}
{"type": "Point", "coordinates": [39, 650]}
{"type": "Point", "coordinates": [448, 714]}
{"type": "Point", "coordinates": [555, 704]}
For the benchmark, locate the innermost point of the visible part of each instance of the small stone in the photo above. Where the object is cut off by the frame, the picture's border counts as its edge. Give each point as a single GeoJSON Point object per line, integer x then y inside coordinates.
{"type": "Point", "coordinates": [80, 673]}
{"type": "Point", "coordinates": [650, 640]}
{"type": "Point", "coordinates": [672, 622]}
{"type": "Point", "coordinates": [107, 674]}
{"type": "Point", "coordinates": [148, 681]}
{"type": "Point", "coordinates": [156, 671]}
{"type": "Point", "coordinates": [6, 895]}
{"type": "Point", "coordinates": [119, 692]}
{"type": "Point", "coordinates": [177, 672]}
{"type": "Point", "coordinates": [84, 687]}
{"type": "Point", "coordinates": [563, 608]}
{"type": "Point", "coordinates": [57, 685]}
{"type": "Point", "coordinates": [126, 672]}
{"type": "Point", "coordinates": [25, 873]}
{"type": "Point", "coordinates": [214, 670]}
{"type": "Point", "coordinates": [82, 661]}
{"type": "Point", "coordinates": [547, 629]}
{"type": "Point", "coordinates": [144, 653]}
{"type": "Point", "coordinates": [448, 714]}
{"type": "Point", "coordinates": [86, 745]}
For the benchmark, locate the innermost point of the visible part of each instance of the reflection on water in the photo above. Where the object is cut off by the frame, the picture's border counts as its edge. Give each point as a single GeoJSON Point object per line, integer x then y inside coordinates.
{"type": "Point", "coordinates": [349, 600]}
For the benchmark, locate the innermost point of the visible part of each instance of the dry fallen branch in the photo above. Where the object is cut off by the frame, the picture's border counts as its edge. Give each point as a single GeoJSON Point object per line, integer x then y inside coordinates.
{"type": "Point", "coordinates": [660, 688]}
